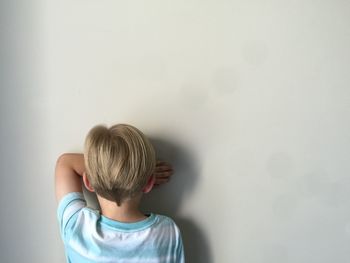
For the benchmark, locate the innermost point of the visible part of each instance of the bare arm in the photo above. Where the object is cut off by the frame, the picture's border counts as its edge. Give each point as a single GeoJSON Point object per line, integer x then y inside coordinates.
{"type": "Point", "coordinates": [68, 172]}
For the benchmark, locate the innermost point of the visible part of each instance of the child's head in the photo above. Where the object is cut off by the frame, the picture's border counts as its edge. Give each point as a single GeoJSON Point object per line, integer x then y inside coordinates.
{"type": "Point", "coordinates": [119, 161]}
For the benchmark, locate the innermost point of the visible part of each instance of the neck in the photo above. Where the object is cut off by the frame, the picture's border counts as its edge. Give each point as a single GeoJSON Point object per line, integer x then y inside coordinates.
{"type": "Point", "coordinates": [127, 212]}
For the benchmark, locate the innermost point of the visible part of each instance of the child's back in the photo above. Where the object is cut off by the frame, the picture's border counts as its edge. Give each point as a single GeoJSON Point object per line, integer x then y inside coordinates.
{"type": "Point", "coordinates": [120, 232]}
{"type": "Point", "coordinates": [91, 237]}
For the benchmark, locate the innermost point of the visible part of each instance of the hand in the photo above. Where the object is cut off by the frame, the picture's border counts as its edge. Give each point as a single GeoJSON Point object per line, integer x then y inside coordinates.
{"type": "Point", "coordinates": [162, 172]}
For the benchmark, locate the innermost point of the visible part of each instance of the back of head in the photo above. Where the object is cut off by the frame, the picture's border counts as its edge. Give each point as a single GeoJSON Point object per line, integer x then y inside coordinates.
{"type": "Point", "coordinates": [119, 161]}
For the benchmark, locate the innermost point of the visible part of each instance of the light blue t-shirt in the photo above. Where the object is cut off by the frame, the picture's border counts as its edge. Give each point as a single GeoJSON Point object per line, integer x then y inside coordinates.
{"type": "Point", "coordinates": [89, 236]}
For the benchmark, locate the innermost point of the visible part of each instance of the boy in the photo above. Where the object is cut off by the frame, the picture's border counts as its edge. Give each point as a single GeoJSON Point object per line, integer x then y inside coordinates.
{"type": "Point", "coordinates": [119, 165]}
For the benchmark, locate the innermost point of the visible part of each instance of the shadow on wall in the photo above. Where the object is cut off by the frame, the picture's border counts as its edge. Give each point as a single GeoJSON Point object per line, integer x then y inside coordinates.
{"type": "Point", "coordinates": [167, 199]}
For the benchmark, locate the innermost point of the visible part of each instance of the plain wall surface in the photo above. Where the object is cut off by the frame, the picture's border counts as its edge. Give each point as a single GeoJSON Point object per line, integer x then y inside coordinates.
{"type": "Point", "coordinates": [249, 100]}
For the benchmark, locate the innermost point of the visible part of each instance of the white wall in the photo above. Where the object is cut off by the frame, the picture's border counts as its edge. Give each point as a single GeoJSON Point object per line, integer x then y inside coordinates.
{"type": "Point", "coordinates": [248, 99]}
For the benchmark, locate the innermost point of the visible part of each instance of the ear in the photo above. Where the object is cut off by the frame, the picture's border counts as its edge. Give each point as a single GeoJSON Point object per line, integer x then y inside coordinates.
{"type": "Point", "coordinates": [150, 183]}
{"type": "Point", "coordinates": [87, 183]}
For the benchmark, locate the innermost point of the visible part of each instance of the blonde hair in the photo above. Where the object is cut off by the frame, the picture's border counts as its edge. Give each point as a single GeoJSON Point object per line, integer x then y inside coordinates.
{"type": "Point", "coordinates": [119, 161]}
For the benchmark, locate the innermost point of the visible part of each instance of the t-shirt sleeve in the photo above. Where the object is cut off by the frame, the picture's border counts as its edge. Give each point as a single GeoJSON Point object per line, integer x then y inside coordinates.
{"type": "Point", "coordinates": [67, 212]}
{"type": "Point", "coordinates": [180, 254]}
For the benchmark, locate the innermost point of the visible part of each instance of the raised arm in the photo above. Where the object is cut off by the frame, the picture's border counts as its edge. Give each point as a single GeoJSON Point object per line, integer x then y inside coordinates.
{"type": "Point", "coordinates": [68, 172]}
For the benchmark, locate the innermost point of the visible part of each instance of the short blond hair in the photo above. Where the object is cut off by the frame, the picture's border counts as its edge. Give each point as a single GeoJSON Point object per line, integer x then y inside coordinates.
{"type": "Point", "coordinates": [119, 161]}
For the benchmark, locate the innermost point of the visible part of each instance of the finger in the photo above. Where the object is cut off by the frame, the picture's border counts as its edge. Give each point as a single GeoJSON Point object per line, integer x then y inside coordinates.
{"type": "Point", "coordinates": [163, 164]}
{"type": "Point", "coordinates": [163, 174]}
{"type": "Point", "coordinates": [164, 168]}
